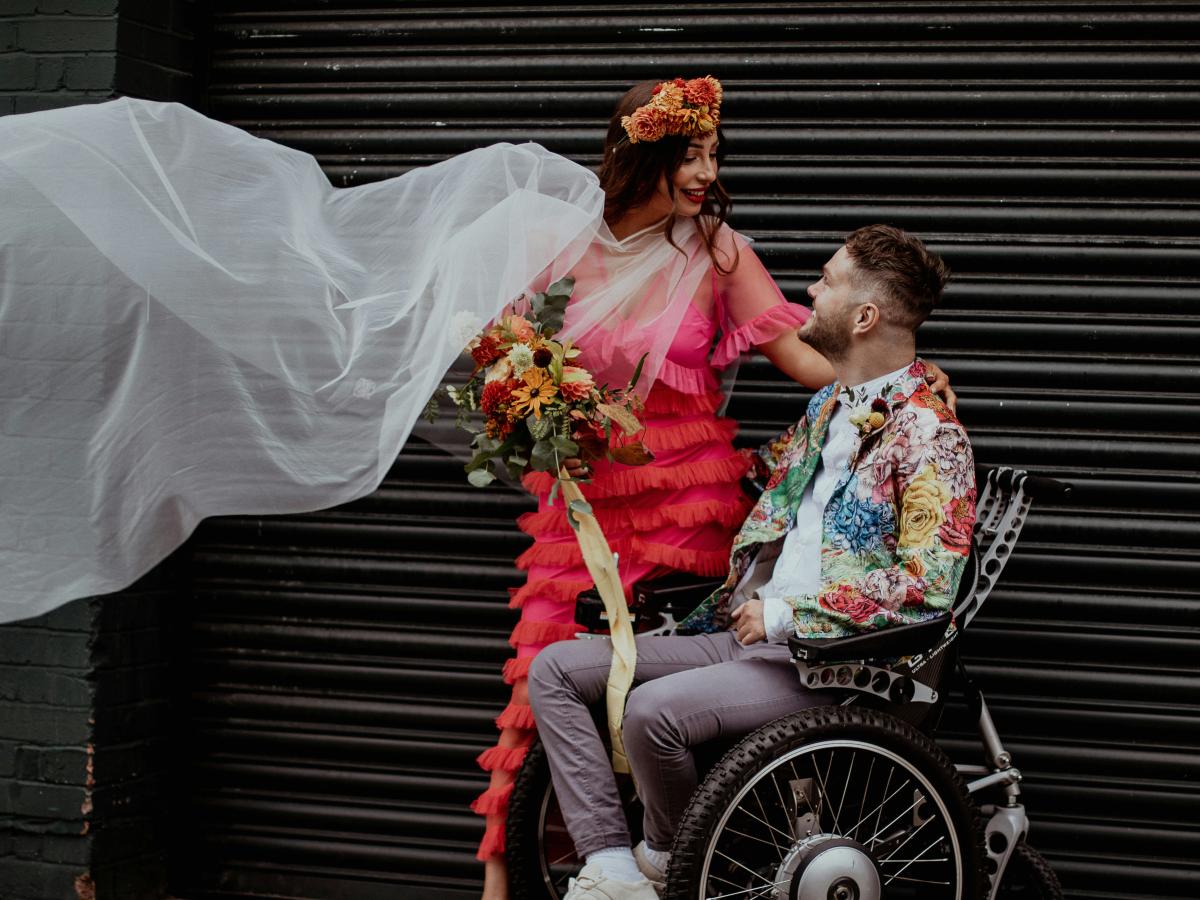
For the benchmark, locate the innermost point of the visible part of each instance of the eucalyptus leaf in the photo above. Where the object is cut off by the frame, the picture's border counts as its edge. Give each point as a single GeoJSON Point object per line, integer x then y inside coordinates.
{"type": "Point", "coordinates": [478, 460]}
{"type": "Point", "coordinates": [480, 477]}
{"type": "Point", "coordinates": [565, 446]}
{"type": "Point", "coordinates": [551, 306]}
{"type": "Point", "coordinates": [562, 288]}
{"type": "Point", "coordinates": [539, 428]}
{"type": "Point", "coordinates": [544, 458]}
{"type": "Point", "coordinates": [485, 444]}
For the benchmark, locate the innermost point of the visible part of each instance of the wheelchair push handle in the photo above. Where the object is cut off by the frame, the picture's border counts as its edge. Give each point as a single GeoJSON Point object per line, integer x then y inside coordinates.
{"type": "Point", "coordinates": [1042, 487]}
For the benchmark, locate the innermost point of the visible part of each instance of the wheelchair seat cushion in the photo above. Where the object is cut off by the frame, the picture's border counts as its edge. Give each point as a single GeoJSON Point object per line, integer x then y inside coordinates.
{"type": "Point", "coordinates": [899, 640]}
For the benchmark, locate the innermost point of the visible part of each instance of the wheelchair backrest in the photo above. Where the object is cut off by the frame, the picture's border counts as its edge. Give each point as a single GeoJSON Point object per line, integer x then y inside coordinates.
{"type": "Point", "coordinates": [1000, 512]}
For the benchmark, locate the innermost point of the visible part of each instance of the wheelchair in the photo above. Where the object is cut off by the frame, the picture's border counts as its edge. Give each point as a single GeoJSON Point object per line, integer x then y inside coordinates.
{"type": "Point", "coordinates": [853, 801]}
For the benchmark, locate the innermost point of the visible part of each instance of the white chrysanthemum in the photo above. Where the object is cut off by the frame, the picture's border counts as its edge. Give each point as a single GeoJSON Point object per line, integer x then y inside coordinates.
{"type": "Point", "coordinates": [521, 358]}
{"type": "Point", "coordinates": [464, 326]}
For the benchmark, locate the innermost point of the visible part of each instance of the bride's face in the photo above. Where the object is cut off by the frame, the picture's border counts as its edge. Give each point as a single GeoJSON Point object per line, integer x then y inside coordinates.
{"type": "Point", "coordinates": [691, 181]}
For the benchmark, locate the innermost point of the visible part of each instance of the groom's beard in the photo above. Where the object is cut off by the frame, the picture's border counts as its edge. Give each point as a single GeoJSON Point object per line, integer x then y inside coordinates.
{"type": "Point", "coordinates": [828, 336]}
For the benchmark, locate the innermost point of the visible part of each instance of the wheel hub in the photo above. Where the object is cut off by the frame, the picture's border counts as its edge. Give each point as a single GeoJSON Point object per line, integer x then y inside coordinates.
{"type": "Point", "coordinates": [825, 867]}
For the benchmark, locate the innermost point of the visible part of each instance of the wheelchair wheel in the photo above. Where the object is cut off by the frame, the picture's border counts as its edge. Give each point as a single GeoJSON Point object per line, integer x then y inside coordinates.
{"type": "Point", "coordinates": [1028, 877]}
{"type": "Point", "coordinates": [834, 802]}
{"type": "Point", "coordinates": [541, 856]}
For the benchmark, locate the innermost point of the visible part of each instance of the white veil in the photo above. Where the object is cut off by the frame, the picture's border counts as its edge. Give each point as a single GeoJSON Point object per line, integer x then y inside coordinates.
{"type": "Point", "coordinates": [193, 322]}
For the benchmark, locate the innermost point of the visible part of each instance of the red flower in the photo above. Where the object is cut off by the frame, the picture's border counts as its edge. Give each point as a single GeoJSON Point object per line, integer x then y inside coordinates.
{"type": "Point", "coordinates": [848, 602]}
{"type": "Point", "coordinates": [495, 394]}
{"type": "Point", "coordinates": [487, 352]}
{"type": "Point", "coordinates": [542, 357]}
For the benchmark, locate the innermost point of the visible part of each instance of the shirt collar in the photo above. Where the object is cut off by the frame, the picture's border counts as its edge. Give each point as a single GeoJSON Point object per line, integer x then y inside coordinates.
{"type": "Point", "coordinates": [902, 381]}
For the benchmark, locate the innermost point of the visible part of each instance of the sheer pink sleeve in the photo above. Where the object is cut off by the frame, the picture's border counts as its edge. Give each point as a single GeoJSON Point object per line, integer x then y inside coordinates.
{"type": "Point", "coordinates": [751, 308]}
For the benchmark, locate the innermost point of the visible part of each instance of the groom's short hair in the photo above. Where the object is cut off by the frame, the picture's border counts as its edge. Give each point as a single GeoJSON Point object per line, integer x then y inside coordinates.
{"type": "Point", "coordinates": [905, 274]}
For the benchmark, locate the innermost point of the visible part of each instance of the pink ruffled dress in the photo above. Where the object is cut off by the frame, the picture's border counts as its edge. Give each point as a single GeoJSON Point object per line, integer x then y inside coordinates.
{"type": "Point", "coordinates": [678, 513]}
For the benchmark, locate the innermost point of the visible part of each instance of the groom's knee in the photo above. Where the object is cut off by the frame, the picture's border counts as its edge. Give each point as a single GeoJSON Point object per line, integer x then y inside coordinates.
{"type": "Point", "coordinates": [649, 720]}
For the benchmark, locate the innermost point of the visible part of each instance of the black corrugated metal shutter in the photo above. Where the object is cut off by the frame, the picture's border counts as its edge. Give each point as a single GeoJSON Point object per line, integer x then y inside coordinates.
{"type": "Point", "coordinates": [342, 668]}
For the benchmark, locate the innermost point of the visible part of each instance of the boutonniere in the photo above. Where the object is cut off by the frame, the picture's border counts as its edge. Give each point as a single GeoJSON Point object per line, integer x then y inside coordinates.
{"type": "Point", "coordinates": [869, 419]}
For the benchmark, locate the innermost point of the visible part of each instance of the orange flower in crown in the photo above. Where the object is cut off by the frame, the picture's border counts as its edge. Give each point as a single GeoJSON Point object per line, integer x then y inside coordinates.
{"type": "Point", "coordinates": [685, 108]}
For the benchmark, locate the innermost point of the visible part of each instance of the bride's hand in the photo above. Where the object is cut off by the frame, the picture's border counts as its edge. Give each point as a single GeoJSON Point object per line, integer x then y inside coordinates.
{"type": "Point", "coordinates": [576, 468]}
{"type": "Point", "coordinates": [939, 383]}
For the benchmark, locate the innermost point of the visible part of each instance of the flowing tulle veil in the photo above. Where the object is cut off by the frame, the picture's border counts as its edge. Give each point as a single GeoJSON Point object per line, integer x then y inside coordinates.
{"type": "Point", "coordinates": [193, 322]}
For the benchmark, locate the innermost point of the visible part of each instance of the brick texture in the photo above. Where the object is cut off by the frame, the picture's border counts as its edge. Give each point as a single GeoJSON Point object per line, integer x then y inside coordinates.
{"type": "Point", "coordinates": [84, 690]}
{"type": "Point", "coordinates": [63, 52]}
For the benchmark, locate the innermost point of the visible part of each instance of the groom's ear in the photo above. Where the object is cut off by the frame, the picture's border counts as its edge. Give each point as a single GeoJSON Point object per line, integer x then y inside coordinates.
{"type": "Point", "coordinates": [866, 318]}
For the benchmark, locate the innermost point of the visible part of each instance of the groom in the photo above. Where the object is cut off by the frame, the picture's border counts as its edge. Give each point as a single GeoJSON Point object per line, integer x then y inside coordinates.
{"type": "Point", "coordinates": [865, 523]}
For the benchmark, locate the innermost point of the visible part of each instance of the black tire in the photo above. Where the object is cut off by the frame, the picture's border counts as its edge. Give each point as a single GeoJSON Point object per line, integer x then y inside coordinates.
{"type": "Point", "coordinates": [540, 855]}
{"type": "Point", "coordinates": [1028, 877]}
{"type": "Point", "coordinates": [716, 852]}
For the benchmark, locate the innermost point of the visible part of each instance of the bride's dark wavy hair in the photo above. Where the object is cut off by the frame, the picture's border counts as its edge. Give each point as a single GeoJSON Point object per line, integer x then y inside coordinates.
{"type": "Point", "coordinates": [630, 175]}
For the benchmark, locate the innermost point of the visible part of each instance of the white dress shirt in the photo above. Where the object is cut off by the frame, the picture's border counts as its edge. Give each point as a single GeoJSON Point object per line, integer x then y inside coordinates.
{"type": "Point", "coordinates": [797, 563]}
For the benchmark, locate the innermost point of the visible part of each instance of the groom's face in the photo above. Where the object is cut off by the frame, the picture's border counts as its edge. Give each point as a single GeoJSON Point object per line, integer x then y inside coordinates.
{"type": "Point", "coordinates": [835, 300]}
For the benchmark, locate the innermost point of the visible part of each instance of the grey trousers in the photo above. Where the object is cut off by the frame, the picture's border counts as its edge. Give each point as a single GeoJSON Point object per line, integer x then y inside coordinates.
{"type": "Point", "coordinates": [688, 690]}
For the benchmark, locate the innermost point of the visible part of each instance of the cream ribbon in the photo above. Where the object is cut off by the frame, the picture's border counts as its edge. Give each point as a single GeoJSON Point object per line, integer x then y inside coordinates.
{"type": "Point", "coordinates": [602, 566]}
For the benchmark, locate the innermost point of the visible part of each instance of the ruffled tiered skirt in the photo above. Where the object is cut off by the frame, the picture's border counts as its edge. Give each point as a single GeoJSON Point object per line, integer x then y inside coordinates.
{"type": "Point", "coordinates": [678, 513]}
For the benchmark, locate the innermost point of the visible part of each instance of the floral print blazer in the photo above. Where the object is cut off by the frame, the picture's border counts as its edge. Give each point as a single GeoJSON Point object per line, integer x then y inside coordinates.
{"type": "Point", "coordinates": [897, 530]}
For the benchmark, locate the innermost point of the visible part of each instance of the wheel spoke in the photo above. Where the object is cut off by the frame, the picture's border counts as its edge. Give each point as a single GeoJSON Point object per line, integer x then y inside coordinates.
{"type": "Point", "coordinates": [753, 838]}
{"type": "Point", "coordinates": [763, 822]}
{"type": "Point", "coordinates": [927, 859]}
{"type": "Point", "coordinates": [926, 850]}
{"type": "Point", "coordinates": [846, 784]}
{"type": "Point", "coordinates": [825, 792]}
{"type": "Point", "coordinates": [784, 809]}
{"type": "Point", "coordinates": [918, 880]}
{"type": "Point", "coordinates": [912, 834]}
{"type": "Point", "coordinates": [729, 858]}
{"type": "Point", "coordinates": [763, 810]}
{"type": "Point", "coordinates": [903, 813]}
{"type": "Point", "coordinates": [741, 892]}
{"type": "Point", "coordinates": [886, 797]}
{"type": "Point", "coordinates": [863, 803]}
{"type": "Point", "coordinates": [879, 809]}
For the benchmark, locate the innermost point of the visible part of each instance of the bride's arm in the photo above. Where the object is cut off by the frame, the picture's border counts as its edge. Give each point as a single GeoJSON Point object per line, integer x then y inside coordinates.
{"type": "Point", "coordinates": [802, 363]}
{"type": "Point", "coordinates": [797, 360]}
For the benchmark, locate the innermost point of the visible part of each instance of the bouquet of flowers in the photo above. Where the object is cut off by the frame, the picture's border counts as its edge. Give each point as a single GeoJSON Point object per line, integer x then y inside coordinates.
{"type": "Point", "coordinates": [538, 407]}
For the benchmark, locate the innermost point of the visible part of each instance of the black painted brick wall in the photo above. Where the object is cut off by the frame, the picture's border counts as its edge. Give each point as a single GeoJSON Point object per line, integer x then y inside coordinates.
{"type": "Point", "coordinates": [56, 53]}
{"type": "Point", "coordinates": [62, 52]}
{"type": "Point", "coordinates": [84, 691]}
{"type": "Point", "coordinates": [85, 732]}
{"type": "Point", "coordinates": [46, 696]}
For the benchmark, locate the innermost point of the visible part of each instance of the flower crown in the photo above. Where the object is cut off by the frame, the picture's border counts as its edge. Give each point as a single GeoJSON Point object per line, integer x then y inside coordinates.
{"type": "Point", "coordinates": [686, 108]}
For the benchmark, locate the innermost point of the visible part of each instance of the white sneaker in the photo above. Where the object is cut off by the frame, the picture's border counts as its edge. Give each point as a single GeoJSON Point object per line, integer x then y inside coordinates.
{"type": "Point", "coordinates": [656, 876]}
{"type": "Point", "coordinates": [593, 884]}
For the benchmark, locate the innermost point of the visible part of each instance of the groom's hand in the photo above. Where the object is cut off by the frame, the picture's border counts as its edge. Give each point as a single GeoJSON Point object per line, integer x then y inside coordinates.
{"type": "Point", "coordinates": [748, 622]}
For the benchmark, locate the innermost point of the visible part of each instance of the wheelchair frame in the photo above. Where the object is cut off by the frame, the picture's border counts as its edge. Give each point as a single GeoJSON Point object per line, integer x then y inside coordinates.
{"type": "Point", "coordinates": [1002, 507]}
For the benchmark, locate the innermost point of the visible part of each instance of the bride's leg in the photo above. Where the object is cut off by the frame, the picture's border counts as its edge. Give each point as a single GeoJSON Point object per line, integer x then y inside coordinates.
{"type": "Point", "coordinates": [495, 879]}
